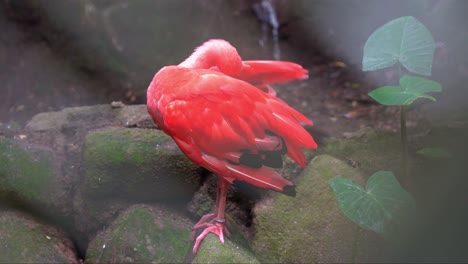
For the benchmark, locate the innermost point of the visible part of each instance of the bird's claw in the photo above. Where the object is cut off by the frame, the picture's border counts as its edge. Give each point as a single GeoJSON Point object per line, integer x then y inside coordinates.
{"type": "Point", "coordinates": [211, 225]}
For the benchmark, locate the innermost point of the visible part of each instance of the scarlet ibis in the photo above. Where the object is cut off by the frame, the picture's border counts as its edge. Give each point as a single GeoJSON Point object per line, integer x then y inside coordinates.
{"type": "Point", "coordinates": [212, 107]}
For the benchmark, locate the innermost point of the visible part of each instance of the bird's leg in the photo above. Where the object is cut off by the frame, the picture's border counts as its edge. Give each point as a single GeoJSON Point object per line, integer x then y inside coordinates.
{"type": "Point", "coordinates": [216, 222]}
{"type": "Point", "coordinates": [223, 186]}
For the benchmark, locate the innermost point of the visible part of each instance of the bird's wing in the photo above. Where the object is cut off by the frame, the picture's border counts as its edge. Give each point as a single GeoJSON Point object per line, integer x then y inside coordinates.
{"type": "Point", "coordinates": [220, 118]}
{"type": "Point", "coordinates": [264, 72]}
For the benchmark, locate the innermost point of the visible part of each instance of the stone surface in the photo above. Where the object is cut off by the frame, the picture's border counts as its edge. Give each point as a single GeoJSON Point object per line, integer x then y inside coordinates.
{"type": "Point", "coordinates": [142, 234]}
{"type": "Point", "coordinates": [232, 251]}
{"type": "Point", "coordinates": [30, 177]}
{"type": "Point", "coordinates": [70, 118]}
{"type": "Point", "coordinates": [91, 116]}
{"type": "Point", "coordinates": [309, 227]}
{"type": "Point", "coordinates": [236, 248]}
{"type": "Point", "coordinates": [25, 171]}
{"type": "Point", "coordinates": [137, 164]}
{"type": "Point", "coordinates": [368, 150]}
{"type": "Point", "coordinates": [24, 240]}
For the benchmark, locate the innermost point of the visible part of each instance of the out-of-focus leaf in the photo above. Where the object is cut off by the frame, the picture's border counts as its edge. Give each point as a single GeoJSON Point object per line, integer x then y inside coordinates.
{"type": "Point", "coordinates": [411, 88]}
{"type": "Point", "coordinates": [377, 206]}
{"type": "Point", "coordinates": [404, 40]}
{"type": "Point", "coordinates": [437, 153]}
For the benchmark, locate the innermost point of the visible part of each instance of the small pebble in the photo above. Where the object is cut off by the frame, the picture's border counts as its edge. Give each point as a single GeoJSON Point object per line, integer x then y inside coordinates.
{"type": "Point", "coordinates": [117, 104]}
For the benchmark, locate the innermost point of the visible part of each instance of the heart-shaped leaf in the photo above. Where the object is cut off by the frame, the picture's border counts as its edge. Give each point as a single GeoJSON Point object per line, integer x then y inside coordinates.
{"type": "Point", "coordinates": [411, 88]}
{"type": "Point", "coordinates": [404, 40]}
{"type": "Point", "coordinates": [375, 207]}
{"type": "Point", "coordinates": [436, 153]}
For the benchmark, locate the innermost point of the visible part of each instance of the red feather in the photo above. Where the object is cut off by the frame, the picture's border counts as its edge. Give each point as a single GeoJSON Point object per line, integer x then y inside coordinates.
{"type": "Point", "coordinates": [210, 114]}
{"type": "Point", "coordinates": [219, 55]}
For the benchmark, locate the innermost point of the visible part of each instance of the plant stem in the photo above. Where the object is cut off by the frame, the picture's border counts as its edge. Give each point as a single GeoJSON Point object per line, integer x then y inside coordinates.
{"type": "Point", "coordinates": [404, 145]}
{"type": "Point", "coordinates": [355, 244]}
{"type": "Point", "coordinates": [404, 139]}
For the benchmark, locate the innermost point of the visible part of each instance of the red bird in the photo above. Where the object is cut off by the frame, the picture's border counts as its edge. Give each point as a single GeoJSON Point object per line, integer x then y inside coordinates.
{"type": "Point", "coordinates": [212, 107]}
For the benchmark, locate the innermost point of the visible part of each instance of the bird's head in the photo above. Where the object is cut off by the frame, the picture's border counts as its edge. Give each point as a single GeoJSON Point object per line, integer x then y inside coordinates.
{"type": "Point", "coordinates": [215, 54]}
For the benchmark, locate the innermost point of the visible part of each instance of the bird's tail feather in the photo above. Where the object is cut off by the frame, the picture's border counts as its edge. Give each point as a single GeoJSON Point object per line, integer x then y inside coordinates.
{"type": "Point", "coordinates": [263, 177]}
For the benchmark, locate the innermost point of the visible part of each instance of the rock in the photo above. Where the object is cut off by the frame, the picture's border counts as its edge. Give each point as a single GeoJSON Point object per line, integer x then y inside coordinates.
{"type": "Point", "coordinates": [368, 150]}
{"type": "Point", "coordinates": [124, 166]}
{"type": "Point", "coordinates": [212, 251]}
{"type": "Point", "coordinates": [138, 164]}
{"type": "Point", "coordinates": [72, 117]}
{"type": "Point", "coordinates": [235, 249]}
{"type": "Point", "coordinates": [145, 233]}
{"type": "Point", "coordinates": [29, 176]}
{"type": "Point", "coordinates": [135, 116]}
{"type": "Point", "coordinates": [23, 240]}
{"type": "Point", "coordinates": [309, 227]}
{"type": "Point", "coordinates": [91, 116]}
{"type": "Point", "coordinates": [142, 234]}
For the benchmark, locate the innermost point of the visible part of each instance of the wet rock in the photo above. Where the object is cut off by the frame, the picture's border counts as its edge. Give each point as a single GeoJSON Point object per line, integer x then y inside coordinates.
{"type": "Point", "coordinates": [309, 227]}
{"type": "Point", "coordinates": [142, 234]}
{"type": "Point", "coordinates": [24, 240]}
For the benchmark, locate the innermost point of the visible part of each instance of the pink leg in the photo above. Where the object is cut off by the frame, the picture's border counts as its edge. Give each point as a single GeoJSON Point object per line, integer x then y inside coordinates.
{"type": "Point", "coordinates": [216, 222]}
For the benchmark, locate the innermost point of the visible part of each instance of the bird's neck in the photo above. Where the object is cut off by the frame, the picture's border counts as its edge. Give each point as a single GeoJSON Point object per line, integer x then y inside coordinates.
{"type": "Point", "coordinates": [200, 59]}
{"type": "Point", "coordinates": [215, 55]}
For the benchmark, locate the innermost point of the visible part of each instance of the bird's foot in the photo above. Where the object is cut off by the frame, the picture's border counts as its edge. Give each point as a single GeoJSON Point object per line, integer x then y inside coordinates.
{"type": "Point", "coordinates": [211, 225]}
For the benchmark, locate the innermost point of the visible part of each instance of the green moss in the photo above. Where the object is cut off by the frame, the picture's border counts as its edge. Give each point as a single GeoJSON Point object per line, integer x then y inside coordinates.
{"type": "Point", "coordinates": [136, 162]}
{"type": "Point", "coordinates": [24, 241]}
{"type": "Point", "coordinates": [212, 251]}
{"type": "Point", "coordinates": [309, 227]}
{"type": "Point", "coordinates": [369, 151]}
{"type": "Point", "coordinates": [143, 234]}
{"type": "Point", "coordinates": [29, 175]}
{"type": "Point", "coordinates": [124, 145]}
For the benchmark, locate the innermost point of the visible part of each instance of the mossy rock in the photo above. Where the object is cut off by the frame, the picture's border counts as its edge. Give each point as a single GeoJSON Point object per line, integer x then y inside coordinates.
{"type": "Point", "coordinates": [134, 116]}
{"type": "Point", "coordinates": [23, 240]}
{"type": "Point", "coordinates": [368, 150]}
{"type": "Point", "coordinates": [142, 234]}
{"type": "Point", "coordinates": [72, 117]}
{"type": "Point", "coordinates": [236, 249]}
{"type": "Point", "coordinates": [27, 174]}
{"type": "Point", "coordinates": [91, 116]}
{"type": "Point", "coordinates": [232, 251]}
{"type": "Point", "coordinates": [137, 164]}
{"type": "Point", "coordinates": [310, 227]}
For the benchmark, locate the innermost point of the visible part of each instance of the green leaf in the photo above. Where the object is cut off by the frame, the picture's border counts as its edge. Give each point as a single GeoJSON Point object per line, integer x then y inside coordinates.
{"type": "Point", "coordinates": [411, 88]}
{"type": "Point", "coordinates": [403, 40]}
{"type": "Point", "coordinates": [376, 207]}
{"type": "Point", "coordinates": [437, 153]}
